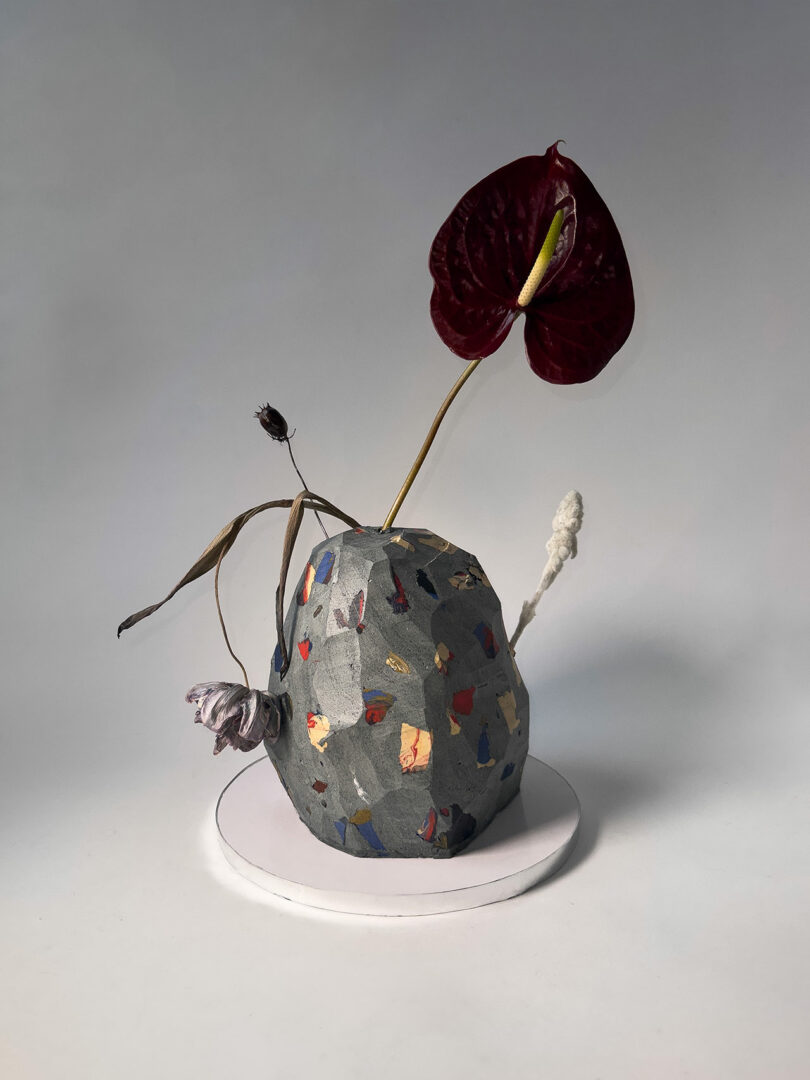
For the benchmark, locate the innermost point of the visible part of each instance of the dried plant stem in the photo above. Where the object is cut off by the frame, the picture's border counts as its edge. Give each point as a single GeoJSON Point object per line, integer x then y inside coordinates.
{"type": "Point", "coordinates": [303, 481]}
{"type": "Point", "coordinates": [222, 555]}
{"type": "Point", "coordinates": [431, 435]}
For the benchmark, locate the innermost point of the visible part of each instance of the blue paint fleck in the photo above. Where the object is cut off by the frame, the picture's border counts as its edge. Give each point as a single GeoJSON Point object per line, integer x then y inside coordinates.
{"type": "Point", "coordinates": [487, 640]}
{"type": "Point", "coordinates": [277, 659]}
{"type": "Point", "coordinates": [341, 828]}
{"type": "Point", "coordinates": [508, 770]}
{"type": "Point", "coordinates": [366, 830]}
{"type": "Point", "coordinates": [324, 571]}
{"type": "Point", "coordinates": [484, 756]}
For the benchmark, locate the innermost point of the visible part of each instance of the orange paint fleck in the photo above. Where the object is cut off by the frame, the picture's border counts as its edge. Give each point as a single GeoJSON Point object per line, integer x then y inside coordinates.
{"type": "Point", "coordinates": [309, 577]}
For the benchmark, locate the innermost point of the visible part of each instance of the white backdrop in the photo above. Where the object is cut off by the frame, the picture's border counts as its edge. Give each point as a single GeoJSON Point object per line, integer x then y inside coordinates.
{"type": "Point", "coordinates": [208, 205]}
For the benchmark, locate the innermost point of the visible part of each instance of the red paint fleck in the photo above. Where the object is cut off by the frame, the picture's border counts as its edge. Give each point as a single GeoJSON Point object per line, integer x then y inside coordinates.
{"type": "Point", "coordinates": [444, 812]}
{"type": "Point", "coordinates": [398, 600]}
{"type": "Point", "coordinates": [305, 648]}
{"type": "Point", "coordinates": [428, 829]}
{"type": "Point", "coordinates": [320, 786]}
{"type": "Point", "coordinates": [377, 703]}
{"type": "Point", "coordinates": [463, 701]}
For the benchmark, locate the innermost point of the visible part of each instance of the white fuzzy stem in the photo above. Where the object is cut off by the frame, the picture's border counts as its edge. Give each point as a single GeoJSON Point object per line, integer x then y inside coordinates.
{"type": "Point", "coordinates": [562, 545]}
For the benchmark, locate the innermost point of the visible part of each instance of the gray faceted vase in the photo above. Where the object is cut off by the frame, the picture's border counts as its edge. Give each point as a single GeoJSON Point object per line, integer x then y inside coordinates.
{"type": "Point", "coordinates": [405, 720]}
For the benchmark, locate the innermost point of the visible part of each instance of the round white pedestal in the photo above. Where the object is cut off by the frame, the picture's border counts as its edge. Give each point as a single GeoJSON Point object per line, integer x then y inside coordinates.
{"type": "Point", "coordinates": [265, 841]}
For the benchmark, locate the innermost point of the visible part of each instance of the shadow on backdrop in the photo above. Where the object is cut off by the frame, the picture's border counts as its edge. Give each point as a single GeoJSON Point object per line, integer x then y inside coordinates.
{"type": "Point", "coordinates": [638, 725]}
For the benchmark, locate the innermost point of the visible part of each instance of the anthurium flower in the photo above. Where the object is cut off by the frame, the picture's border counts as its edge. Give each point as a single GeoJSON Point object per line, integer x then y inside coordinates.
{"type": "Point", "coordinates": [239, 717]}
{"type": "Point", "coordinates": [482, 261]}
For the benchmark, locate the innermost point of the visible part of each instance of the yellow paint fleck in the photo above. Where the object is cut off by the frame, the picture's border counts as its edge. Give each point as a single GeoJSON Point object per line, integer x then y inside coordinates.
{"type": "Point", "coordinates": [402, 542]}
{"type": "Point", "coordinates": [486, 764]}
{"type": "Point", "coordinates": [462, 580]}
{"type": "Point", "coordinates": [455, 726]}
{"type": "Point", "coordinates": [318, 729]}
{"type": "Point", "coordinates": [438, 543]}
{"type": "Point", "coordinates": [362, 817]}
{"type": "Point", "coordinates": [509, 709]}
{"type": "Point", "coordinates": [398, 664]}
{"type": "Point", "coordinates": [415, 748]}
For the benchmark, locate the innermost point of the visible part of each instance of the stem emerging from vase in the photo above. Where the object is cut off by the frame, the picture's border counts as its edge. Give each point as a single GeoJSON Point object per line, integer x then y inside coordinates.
{"type": "Point", "coordinates": [525, 297]}
{"type": "Point", "coordinates": [431, 435]}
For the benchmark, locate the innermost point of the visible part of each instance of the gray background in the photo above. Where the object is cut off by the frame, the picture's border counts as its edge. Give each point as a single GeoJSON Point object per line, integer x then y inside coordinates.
{"type": "Point", "coordinates": [205, 205]}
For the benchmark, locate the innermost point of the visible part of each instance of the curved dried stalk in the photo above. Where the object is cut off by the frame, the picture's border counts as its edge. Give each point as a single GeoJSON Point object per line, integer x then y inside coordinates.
{"type": "Point", "coordinates": [224, 540]}
{"type": "Point", "coordinates": [222, 620]}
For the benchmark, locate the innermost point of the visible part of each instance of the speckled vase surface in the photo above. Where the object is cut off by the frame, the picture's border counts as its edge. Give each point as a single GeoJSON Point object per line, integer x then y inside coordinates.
{"type": "Point", "coordinates": [406, 721]}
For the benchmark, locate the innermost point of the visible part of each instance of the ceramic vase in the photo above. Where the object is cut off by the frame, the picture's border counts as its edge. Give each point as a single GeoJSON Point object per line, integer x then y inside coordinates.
{"type": "Point", "coordinates": [405, 720]}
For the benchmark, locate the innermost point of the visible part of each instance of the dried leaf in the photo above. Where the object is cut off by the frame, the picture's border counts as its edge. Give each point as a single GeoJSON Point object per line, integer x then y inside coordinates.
{"type": "Point", "coordinates": [224, 540]}
{"type": "Point", "coordinates": [293, 525]}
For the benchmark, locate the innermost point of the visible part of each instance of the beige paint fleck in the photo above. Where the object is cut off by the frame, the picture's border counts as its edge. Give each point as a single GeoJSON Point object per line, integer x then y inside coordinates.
{"type": "Point", "coordinates": [509, 709]}
{"type": "Point", "coordinates": [415, 748]}
{"type": "Point", "coordinates": [438, 543]}
{"type": "Point", "coordinates": [318, 729]}
{"type": "Point", "coordinates": [442, 657]}
{"type": "Point", "coordinates": [402, 542]}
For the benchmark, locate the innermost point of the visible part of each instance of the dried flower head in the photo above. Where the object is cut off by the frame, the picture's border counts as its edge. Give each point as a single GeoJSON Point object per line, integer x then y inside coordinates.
{"type": "Point", "coordinates": [566, 523]}
{"type": "Point", "coordinates": [273, 422]}
{"type": "Point", "coordinates": [239, 717]}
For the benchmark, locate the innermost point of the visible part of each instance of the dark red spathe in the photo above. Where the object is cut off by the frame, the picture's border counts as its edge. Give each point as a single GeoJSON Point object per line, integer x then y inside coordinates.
{"type": "Point", "coordinates": [583, 311]}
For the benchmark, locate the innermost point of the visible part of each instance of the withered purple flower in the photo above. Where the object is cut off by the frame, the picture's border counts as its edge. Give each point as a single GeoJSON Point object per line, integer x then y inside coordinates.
{"type": "Point", "coordinates": [273, 422]}
{"type": "Point", "coordinates": [239, 717]}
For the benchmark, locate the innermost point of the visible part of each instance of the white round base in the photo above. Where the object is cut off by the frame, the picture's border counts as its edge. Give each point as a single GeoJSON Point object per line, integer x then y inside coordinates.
{"type": "Point", "coordinates": [265, 841]}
